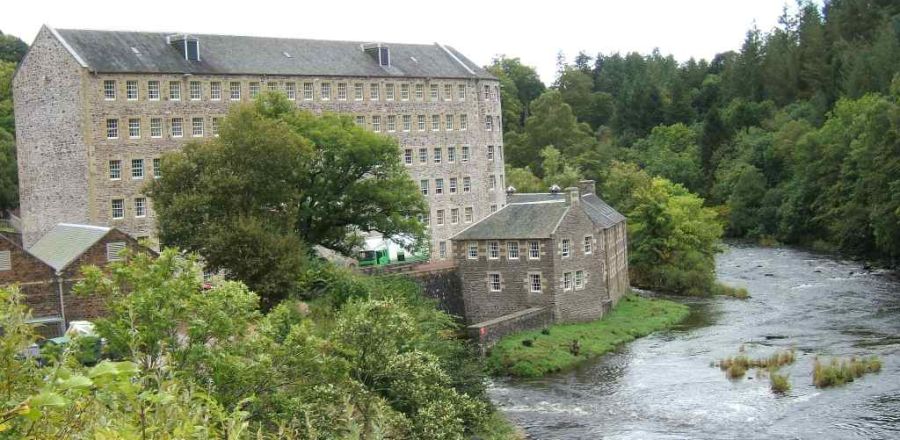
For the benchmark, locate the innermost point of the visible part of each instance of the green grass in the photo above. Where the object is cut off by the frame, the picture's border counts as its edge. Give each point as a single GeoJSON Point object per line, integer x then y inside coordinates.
{"type": "Point", "coordinates": [841, 371]}
{"type": "Point", "coordinates": [632, 318]}
{"type": "Point", "coordinates": [779, 383]}
{"type": "Point", "coordinates": [735, 292]}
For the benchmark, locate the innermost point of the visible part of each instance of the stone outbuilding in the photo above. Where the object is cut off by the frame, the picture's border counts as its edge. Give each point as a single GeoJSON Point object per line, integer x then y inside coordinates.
{"type": "Point", "coordinates": [47, 271]}
{"type": "Point", "coordinates": [562, 255]}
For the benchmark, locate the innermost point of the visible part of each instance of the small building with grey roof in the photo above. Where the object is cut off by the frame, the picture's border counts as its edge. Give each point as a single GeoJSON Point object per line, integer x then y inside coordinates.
{"type": "Point", "coordinates": [561, 253]}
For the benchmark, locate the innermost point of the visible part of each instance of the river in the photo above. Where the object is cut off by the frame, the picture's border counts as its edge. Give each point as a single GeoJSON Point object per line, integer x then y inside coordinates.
{"type": "Point", "coordinates": [663, 387]}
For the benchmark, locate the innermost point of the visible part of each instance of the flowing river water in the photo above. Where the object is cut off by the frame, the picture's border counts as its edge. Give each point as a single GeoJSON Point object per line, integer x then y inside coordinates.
{"type": "Point", "coordinates": [663, 386]}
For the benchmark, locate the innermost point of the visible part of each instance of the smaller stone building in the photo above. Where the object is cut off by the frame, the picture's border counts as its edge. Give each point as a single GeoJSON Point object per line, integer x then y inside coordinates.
{"type": "Point", "coordinates": [562, 255]}
{"type": "Point", "coordinates": [47, 272]}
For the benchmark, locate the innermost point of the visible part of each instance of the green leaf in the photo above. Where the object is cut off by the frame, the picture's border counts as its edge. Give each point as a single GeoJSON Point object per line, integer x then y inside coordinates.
{"type": "Point", "coordinates": [78, 382]}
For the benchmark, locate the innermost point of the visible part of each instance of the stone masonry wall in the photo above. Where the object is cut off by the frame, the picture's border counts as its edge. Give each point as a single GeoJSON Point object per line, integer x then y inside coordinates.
{"type": "Point", "coordinates": [578, 304]}
{"type": "Point", "coordinates": [52, 149]}
{"type": "Point", "coordinates": [34, 279]}
{"type": "Point", "coordinates": [486, 334]}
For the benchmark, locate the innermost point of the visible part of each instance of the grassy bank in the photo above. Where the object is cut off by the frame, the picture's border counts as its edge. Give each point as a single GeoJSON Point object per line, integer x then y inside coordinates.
{"type": "Point", "coordinates": [498, 427]}
{"type": "Point", "coordinates": [535, 353]}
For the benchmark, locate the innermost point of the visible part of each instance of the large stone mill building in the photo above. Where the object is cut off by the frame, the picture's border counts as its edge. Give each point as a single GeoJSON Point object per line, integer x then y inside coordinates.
{"type": "Point", "coordinates": [95, 110]}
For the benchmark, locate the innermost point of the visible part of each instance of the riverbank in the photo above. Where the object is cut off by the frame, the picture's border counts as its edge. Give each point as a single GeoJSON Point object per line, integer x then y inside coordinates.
{"type": "Point", "coordinates": [539, 352]}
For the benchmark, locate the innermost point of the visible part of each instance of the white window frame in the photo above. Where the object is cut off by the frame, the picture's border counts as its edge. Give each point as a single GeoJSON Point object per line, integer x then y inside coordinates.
{"type": "Point", "coordinates": [137, 169]}
{"type": "Point", "coordinates": [179, 124]}
{"type": "Point", "coordinates": [448, 122]}
{"type": "Point", "coordinates": [495, 282]}
{"type": "Point", "coordinates": [358, 91]}
{"type": "Point", "coordinates": [155, 128]}
{"type": "Point", "coordinates": [407, 123]}
{"type": "Point", "coordinates": [451, 154]}
{"type": "Point", "coordinates": [325, 91]}
{"type": "Point", "coordinates": [391, 123]}
{"type": "Point", "coordinates": [109, 90]}
{"type": "Point", "coordinates": [465, 153]}
{"type": "Point", "coordinates": [512, 250]}
{"type": "Point", "coordinates": [467, 184]}
{"type": "Point", "coordinates": [140, 207]}
{"type": "Point", "coordinates": [433, 92]}
{"type": "Point", "coordinates": [493, 250]}
{"type": "Point", "coordinates": [454, 216]}
{"type": "Point", "coordinates": [461, 92]}
{"type": "Point", "coordinates": [131, 86]}
{"type": "Point", "coordinates": [535, 283]}
{"type": "Point", "coordinates": [463, 122]}
{"type": "Point", "coordinates": [534, 250]}
{"type": "Point", "coordinates": [588, 244]}
{"type": "Point", "coordinates": [424, 186]}
{"type": "Point", "coordinates": [198, 89]}
{"type": "Point", "coordinates": [157, 168]}
{"type": "Point", "coordinates": [308, 91]}
{"type": "Point", "coordinates": [404, 92]}
{"type": "Point", "coordinates": [423, 155]}
{"type": "Point", "coordinates": [342, 91]}
{"type": "Point", "coordinates": [376, 123]}
{"type": "Point", "coordinates": [290, 89]}
{"type": "Point", "coordinates": [442, 250]}
{"type": "Point", "coordinates": [374, 91]}
{"type": "Point", "coordinates": [215, 91]}
{"type": "Point", "coordinates": [253, 88]}
{"type": "Point", "coordinates": [134, 128]}
{"type": "Point", "coordinates": [435, 122]}
{"type": "Point", "coordinates": [174, 91]}
{"type": "Point", "coordinates": [115, 172]}
{"type": "Point", "coordinates": [472, 250]}
{"type": "Point", "coordinates": [197, 127]}
{"type": "Point", "coordinates": [153, 90]}
{"type": "Point", "coordinates": [438, 186]}
{"type": "Point", "coordinates": [121, 208]}
{"type": "Point", "coordinates": [567, 281]}
{"type": "Point", "coordinates": [420, 91]}
{"type": "Point", "coordinates": [408, 156]}
{"type": "Point", "coordinates": [454, 185]}
{"type": "Point", "coordinates": [468, 214]}
{"type": "Point", "coordinates": [448, 92]}
{"type": "Point", "coordinates": [215, 126]}
{"type": "Point", "coordinates": [389, 92]}
{"type": "Point", "coordinates": [440, 218]}
{"type": "Point", "coordinates": [112, 128]}
{"type": "Point", "coordinates": [579, 279]}
{"type": "Point", "coordinates": [438, 155]}
{"type": "Point", "coordinates": [234, 93]}
{"type": "Point", "coordinates": [565, 246]}
{"type": "Point", "coordinates": [420, 121]}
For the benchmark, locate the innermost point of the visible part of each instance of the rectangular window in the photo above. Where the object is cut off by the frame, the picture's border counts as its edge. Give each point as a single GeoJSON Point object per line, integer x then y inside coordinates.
{"type": "Point", "coordinates": [153, 90]}
{"type": "Point", "coordinates": [118, 208]}
{"type": "Point", "coordinates": [137, 168]}
{"type": "Point", "coordinates": [451, 154]}
{"type": "Point", "coordinates": [492, 182]}
{"type": "Point", "coordinates": [534, 250]}
{"type": "Point", "coordinates": [461, 92]}
{"type": "Point", "coordinates": [579, 279]}
{"type": "Point", "coordinates": [487, 93]}
{"type": "Point", "coordinates": [407, 123]}
{"type": "Point", "coordinates": [157, 168]}
{"type": "Point", "coordinates": [358, 91]}
{"type": "Point", "coordinates": [420, 92]}
{"type": "Point", "coordinates": [468, 214]}
{"type": "Point", "coordinates": [342, 91]}
{"type": "Point", "coordinates": [440, 217]}
{"type": "Point", "coordinates": [254, 89]}
{"type": "Point", "coordinates": [404, 92]}
{"type": "Point", "coordinates": [215, 91]}
{"type": "Point", "coordinates": [435, 122]}
{"type": "Point", "coordinates": [512, 250]}
{"type": "Point", "coordinates": [423, 185]}
{"type": "Point", "coordinates": [290, 89]}
{"type": "Point", "coordinates": [448, 92]}
{"type": "Point", "coordinates": [392, 123]}
{"type": "Point", "coordinates": [134, 128]}
{"type": "Point", "coordinates": [174, 91]}
{"type": "Point", "coordinates": [156, 127]}
{"type": "Point", "coordinates": [493, 250]}
{"type": "Point", "coordinates": [195, 90]}
{"type": "Point", "coordinates": [421, 122]}
{"type": "Point", "coordinates": [5, 261]}
{"type": "Point", "coordinates": [565, 247]}
{"type": "Point", "coordinates": [325, 92]}
{"type": "Point", "coordinates": [361, 121]}
{"type": "Point", "coordinates": [453, 182]}
{"type": "Point", "coordinates": [177, 128]}
{"type": "Point", "coordinates": [215, 126]}
{"type": "Point", "coordinates": [567, 281]}
{"type": "Point", "coordinates": [109, 90]}
{"type": "Point", "coordinates": [307, 91]}
{"type": "Point", "coordinates": [493, 208]}
{"type": "Point", "coordinates": [408, 156]}
{"type": "Point", "coordinates": [423, 155]}
{"type": "Point", "coordinates": [463, 122]}
{"type": "Point", "coordinates": [473, 250]}
{"type": "Point", "coordinates": [389, 92]}
{"type": "Point", "coordinates": [131, 90]}
{"type": "Point", "coordinates": [235, 90]}
{"type": "Point", "coordinates": [494, 282]}
{"type": "Point", "coordinates": [115, 169]}
{"type": "Point", "coordinates": [465, 153]}
{"type": "Point", "coordinates": [535, 279]}
{"type": "Point", "coordinates": [140, 207]}
{"type": "Point", "coordinates": [490, 152]}
{"type": "Point", "coordinates": [374, 90]}
{"type": "Point", "coordinates": [467, 184]}
{"type": "Point", "coordinates": [433, 92]}
{"type": "Point", "coordinates": [588, 244]}
{"type": "Point", "coordinates": [437, 155]}
{"type": "Point", "coordinates": [197, 127]}
{"type": "Point", "coordinates": [442, 250]}
{"type": "Point", "coordinates": [488, 123]}
{"type": "Point", "coordinates": [448, 122]}
{"type": "Point", "coordinates": [376, 123]}
{"type": "Point", "coordinates": [272, 86]}
{"type": "Point", "coordinates": [112, 128]}
{"type": "Point", "coordinates": [438, 186]}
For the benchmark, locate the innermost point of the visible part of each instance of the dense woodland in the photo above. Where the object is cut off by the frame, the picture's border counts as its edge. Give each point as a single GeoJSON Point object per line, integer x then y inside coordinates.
{"type": "Point", "coordinates": [792, 138]}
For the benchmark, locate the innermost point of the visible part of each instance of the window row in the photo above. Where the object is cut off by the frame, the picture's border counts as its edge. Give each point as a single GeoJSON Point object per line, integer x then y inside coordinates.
{"type": "Point", "coordinates": [406, 123]}
{"type": "Point", "coordinates": [495, 282]}
{"type": "Point", "coordinates": [566, 246]}
{"type": "Point", "coordinates": [137, 170]}
{"type": "Point", "coordinates": [139, 208]}
{"type": "Point", "coordinates": [133, 128]}
{"type": "Point", "coordinates": [453, 185]}
{"type": "Point", "coordinates": [155, 90]}
{"type": "Point", "coordinates": [420, 154]}
{"type": "Point", "coordinates": [514, 250]}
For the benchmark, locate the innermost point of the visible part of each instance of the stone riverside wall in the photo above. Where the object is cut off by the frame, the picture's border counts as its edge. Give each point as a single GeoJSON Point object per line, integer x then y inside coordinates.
{"type": "Point", "coordinates": [486, 334]}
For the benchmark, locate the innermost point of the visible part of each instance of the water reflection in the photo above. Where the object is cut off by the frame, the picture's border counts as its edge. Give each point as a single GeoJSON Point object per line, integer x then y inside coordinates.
{"type": "Point", "coordinates": [663, 387]}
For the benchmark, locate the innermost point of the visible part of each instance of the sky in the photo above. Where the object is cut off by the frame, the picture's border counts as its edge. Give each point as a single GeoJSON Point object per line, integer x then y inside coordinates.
{"type": "Point", "coordinates": [535, 31]}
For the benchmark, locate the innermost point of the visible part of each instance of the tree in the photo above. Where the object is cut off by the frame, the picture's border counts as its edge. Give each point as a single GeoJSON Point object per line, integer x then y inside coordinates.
{"type": "Point", "coordinates": [276, 179]}
{"type": "Point", "coordinates": [672, 152]}
{"type": "Point", "coordinates": [12, 49]}
{"type": "Point", "coordinates": [9, 187]}
{"type": "Point", "coordinates": [552, 122]}
{"type": "Point", "coordinates": [7, 121]}
{"type": "Point", "coordinates": [557, 171]}
{"type": "Point", "coordinates": [520, 84]}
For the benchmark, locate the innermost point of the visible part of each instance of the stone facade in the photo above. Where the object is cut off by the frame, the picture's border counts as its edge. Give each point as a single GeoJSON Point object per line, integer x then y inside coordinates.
{"type": "Point", "coordinates": [64, 115]}
{"type": "Point", "coordinates": [581, 264]}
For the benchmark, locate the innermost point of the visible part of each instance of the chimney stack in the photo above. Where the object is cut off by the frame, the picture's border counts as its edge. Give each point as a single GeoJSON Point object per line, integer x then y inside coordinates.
{"type": "Point", "coordinates": [587, 187]}
{"type": "Point", "coordinates": [572, 196]}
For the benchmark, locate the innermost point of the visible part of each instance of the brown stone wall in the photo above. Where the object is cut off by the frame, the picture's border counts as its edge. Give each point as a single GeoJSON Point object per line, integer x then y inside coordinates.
{"type": "Point", "coordinates": [34, 279]}
{"type": "Point", "coordinates": [486, 334]}
{"type": "Point", "coordinates": [573, 304]}
{"type": "Point", "coordinates": [51, 147]}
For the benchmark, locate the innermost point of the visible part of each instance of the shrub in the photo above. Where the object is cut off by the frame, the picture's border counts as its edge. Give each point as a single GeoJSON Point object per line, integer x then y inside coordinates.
{"type": "Point", "coordinates": [841, 371]}
{"type": "Point", "coordinates": [779, 383]}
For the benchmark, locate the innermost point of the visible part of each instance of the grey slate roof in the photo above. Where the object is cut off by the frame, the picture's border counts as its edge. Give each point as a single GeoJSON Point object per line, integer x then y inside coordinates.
{"type": "Point", "coordinates": [517, 220]}
{"type": "Point", "coordinates": [111, 52]}
{"type": "Point", "coordinates": [600, 212]}
{"type": "Point", "coordinates": [66, 242]}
